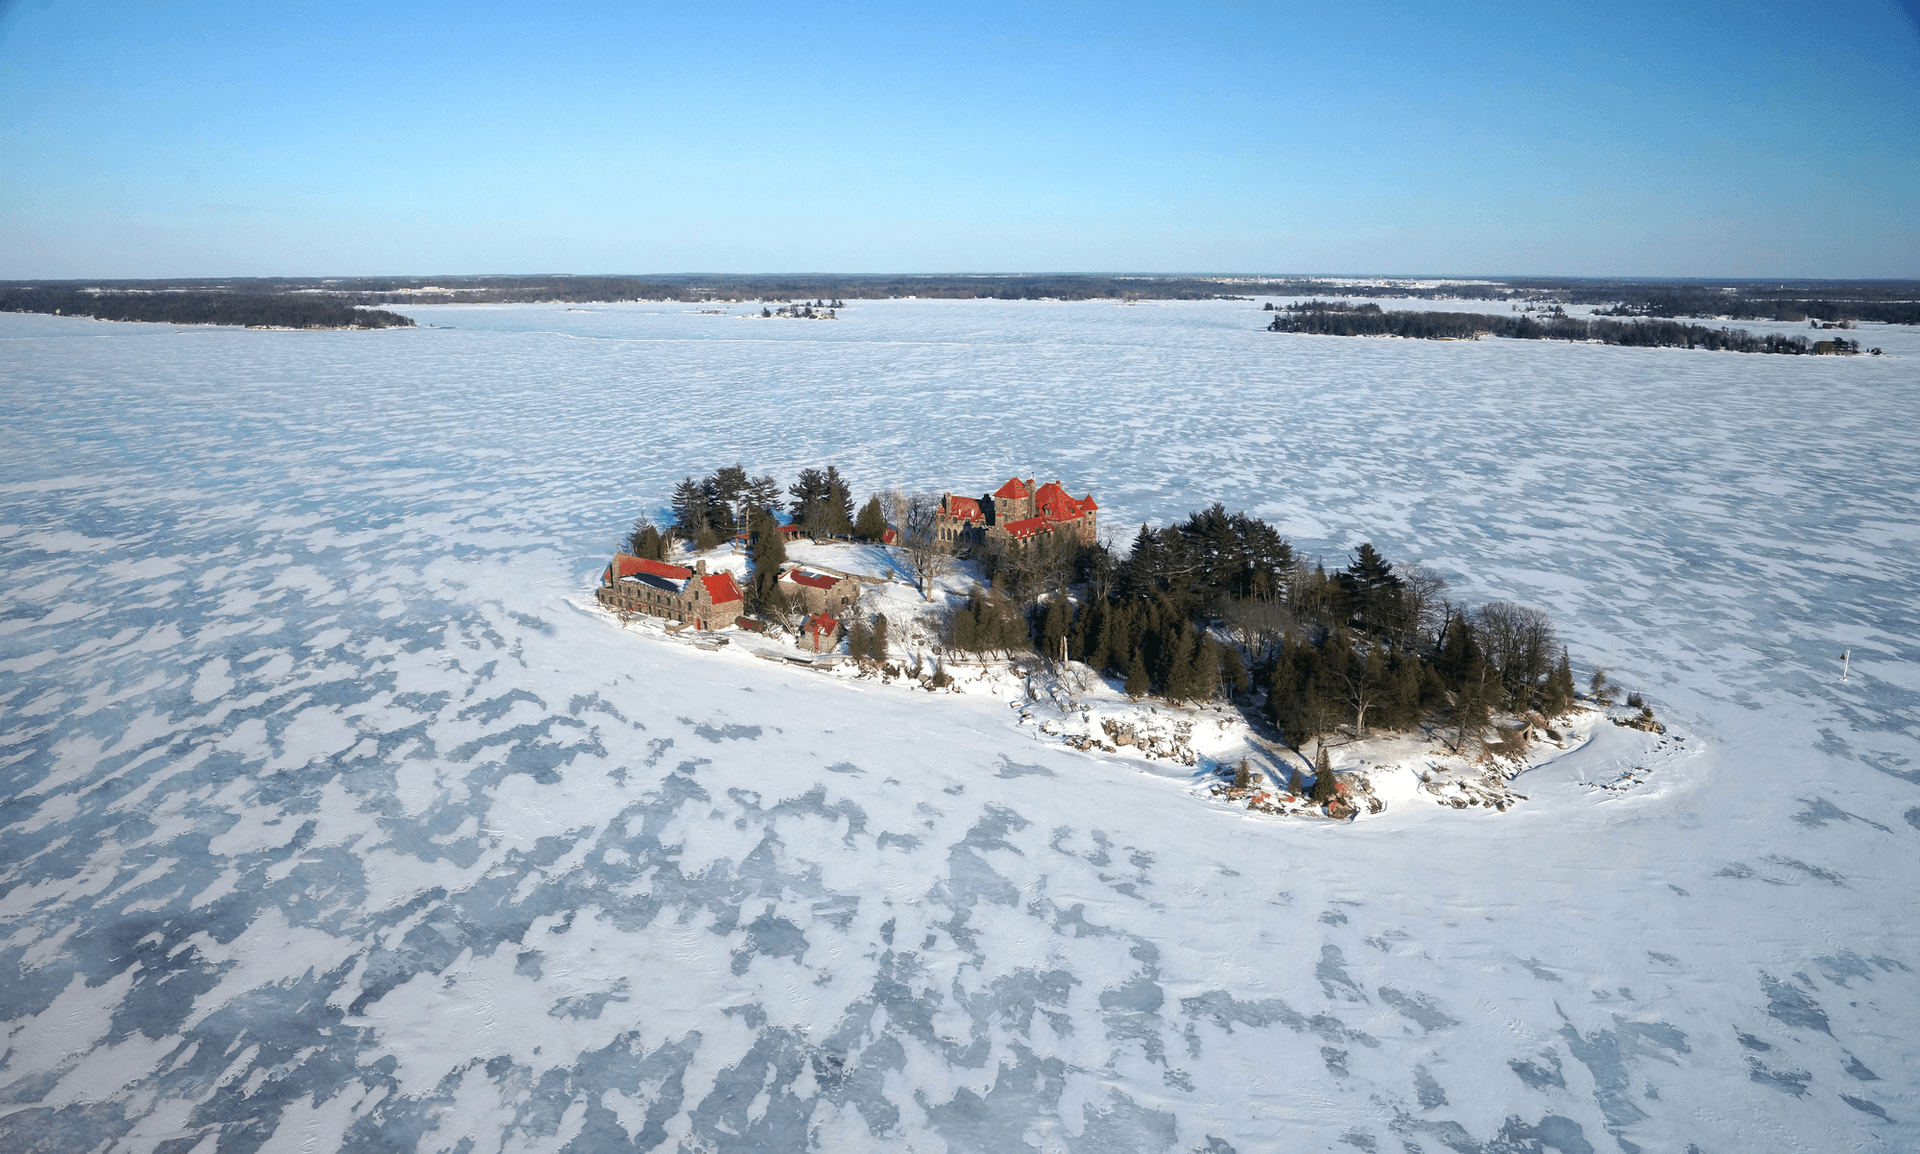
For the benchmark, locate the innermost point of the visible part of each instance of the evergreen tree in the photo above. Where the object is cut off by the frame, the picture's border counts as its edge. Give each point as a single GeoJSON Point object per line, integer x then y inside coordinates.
{"type": "Point", "coordinates": [689, 509]}
{"type": "Point", "coordinates": [872, 524]}
{"type": "Point", "coordinates": [1323, 790]}
{"type": "Point", "coordinates": [1295, 785]}
{"type": "Point", "coordinates": [879, 648]}
{"type": "Point", "coordinates": [1203, 677]}
{"type": "Point", "coordinates": [809, 492]}
{"type": "Point", "coordinates": [1459, 659]}
{"type": "Point", "coordinates": [763, 493]}
{"type": "Point", "coordinates": [1054, 629]}
{"type": "Point", "coordinates": [1400, 707]}
{"type": "Point", "coordinates": [1176, 665]}
{"type": "Point", "coordinates": [1139, 573]}
{"type": "Point", "coordinates": [1137, 684]}
{"type": "Point", "coordinates": [1370, 592]}
{"type": "Point", "coordinates": [1560, 694]}
{"type": "Point", "coordinates": [859, 637]}
{"type": "Point", "coordinates": [1233, 671]}
{"type": "Point", "coordinates": [643, 540]}
{"type": "Point", "coordinates": [767, 551]}
{"type": "Point", "coordinates": [705, 539]}
{"type": "Point", "coordinates": [728, 488]}
{"type": "Point", "coordinates": [837, 508]}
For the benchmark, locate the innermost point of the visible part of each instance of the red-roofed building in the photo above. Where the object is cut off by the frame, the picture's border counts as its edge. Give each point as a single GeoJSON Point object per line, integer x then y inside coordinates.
{"type": "Point", "coordinates": [636, 585]}
{"type": "Point", "coordinates": [817, 592]}
{"type": "Point", "coordinates": [820, 634]}
{"type": "Point", "coordinates": [1014, 514]}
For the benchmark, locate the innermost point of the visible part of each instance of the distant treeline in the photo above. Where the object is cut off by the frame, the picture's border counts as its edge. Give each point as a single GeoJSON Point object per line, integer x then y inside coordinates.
{"type": "Point", "coordinates": [1334, 318]}
{"type": "Point", "coordinates": [1828, 301]}
{"type": "Point", "coordinates": [201, 307]}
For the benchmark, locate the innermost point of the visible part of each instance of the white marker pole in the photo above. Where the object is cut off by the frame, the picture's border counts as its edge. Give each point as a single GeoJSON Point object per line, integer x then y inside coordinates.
{"type": "Point", "coordinates": [1844, 655]}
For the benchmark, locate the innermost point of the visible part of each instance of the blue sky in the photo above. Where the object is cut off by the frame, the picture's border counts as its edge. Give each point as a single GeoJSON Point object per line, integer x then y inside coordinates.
{"type": "Point", "coordinates": [1629, 139]}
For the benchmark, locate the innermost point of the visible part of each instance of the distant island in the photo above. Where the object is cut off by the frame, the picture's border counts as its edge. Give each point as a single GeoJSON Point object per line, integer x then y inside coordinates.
{"type": "Point", "coordinates": [279, 310]}
{"type": "Point", "coordinates": [359, 302]}
{"type": "Point", "coordinates": [1339, 319]}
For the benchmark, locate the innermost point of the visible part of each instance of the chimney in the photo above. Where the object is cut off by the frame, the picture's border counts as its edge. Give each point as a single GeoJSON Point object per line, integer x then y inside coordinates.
{"type": "Point", "coordinates": [700, 566]}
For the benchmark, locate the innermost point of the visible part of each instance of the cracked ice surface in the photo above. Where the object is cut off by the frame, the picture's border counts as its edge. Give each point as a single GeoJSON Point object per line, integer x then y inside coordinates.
{"type": "Point", "coordinates": [332, 819]}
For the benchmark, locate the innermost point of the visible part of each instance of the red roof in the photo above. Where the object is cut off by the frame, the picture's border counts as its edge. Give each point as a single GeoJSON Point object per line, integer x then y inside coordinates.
{"type": "Point", "coordinates": [1012, 489]}
{"type": "Point", "coordinates": [821, 623]}
{"type": "Point", "coordinates": [626, 566]}
{"type": "Point", "coordinates": [1054, 503]}
{"type": "Point", "coordinates": [721, 588]}
{"type": "Point", "coordinates": [815, 580]}
{"type": "Point", "coordinates": [965, 509]}
{"type": "Point", "coordinates": [1028, 527]}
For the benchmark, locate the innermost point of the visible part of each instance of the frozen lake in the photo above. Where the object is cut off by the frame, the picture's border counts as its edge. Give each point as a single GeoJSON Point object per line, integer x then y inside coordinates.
{"type": "Point", "coordinates": [332, 820]}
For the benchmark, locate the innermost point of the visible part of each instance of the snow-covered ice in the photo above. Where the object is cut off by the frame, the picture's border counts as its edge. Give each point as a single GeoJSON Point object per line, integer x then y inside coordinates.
{"type": "Point", "coordinates": [335, 818]}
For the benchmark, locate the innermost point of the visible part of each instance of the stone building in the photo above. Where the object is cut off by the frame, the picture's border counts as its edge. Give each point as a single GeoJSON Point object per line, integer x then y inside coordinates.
{"type": "Point", "coordinates": [704, 600]}
{"type": "Point", "coordinates": [1014, 514]}
{"type": "Point", "coordinates": [818, 592]}
{"type": "Point", "coordinates": [820, 634]}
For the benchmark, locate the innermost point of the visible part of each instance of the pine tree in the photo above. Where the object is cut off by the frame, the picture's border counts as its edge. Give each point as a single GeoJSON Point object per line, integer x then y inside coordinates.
{"type": "Point", "coordinates": [1323, 791]}
{"type": "Point", "coordinates": [1204, 675]}
{"type": "Point", "coordinates": [643, 540]}
{"type": "Point", "coordinates": [1234, 671]}
{"type": "Point", "coordinates": [1100, 648]}
{"type": "Point", "coordinates": [1295, 785]}
{"type": "Point", "coordinates": [728, 487]}
{"type": "Point", "coordinates": [1557, 695]}
{"type": "Point", "coordinates": [689, 508]}
{"type": "Point", "coordinates": [859, 637]}
{"type": "Point", "coordinates": [872, 524]}
{"type": "Point", "coordinates": [767, 551]}
{"type": "Point", "coordinates": [1176, 678]}
{"type": "Point", "coordinates": [763, 494]}
{"type": "Point", "coordinates": [879, 647]}
{"type": "Point", "coordinates": [1053, 629]}
{"type": "Point", "coordinates": [1137, 684]}
{"type": "Point", "coordinates": [837, 509]}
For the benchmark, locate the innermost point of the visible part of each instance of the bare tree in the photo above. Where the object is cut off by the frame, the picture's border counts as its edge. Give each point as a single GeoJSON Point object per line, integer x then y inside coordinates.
{"type": "Point", "coordinates": [1519, 642]}
{"type": "Point", "coordinates": [920, 542]}
{"type": "Point", "coordinates": [1258, 624]}
{"type": "Point", "coordinates": [1423, 600]}
{"type": "Point", "coordinates": [1363, 682]}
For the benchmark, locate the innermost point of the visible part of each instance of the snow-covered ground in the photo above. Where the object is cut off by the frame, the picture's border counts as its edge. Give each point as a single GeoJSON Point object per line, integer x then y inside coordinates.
{"type": "Point", "coordinates": [325, 786]}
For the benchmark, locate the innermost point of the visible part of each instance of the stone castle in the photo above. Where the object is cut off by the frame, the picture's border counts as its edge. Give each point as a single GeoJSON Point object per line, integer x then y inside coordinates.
{"type": "Point", "coordinates": [1016, 514]}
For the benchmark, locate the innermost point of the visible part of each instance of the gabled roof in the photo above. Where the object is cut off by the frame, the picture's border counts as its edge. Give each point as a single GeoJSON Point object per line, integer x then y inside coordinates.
{"type": "Point", "coordinates": [965, 509]}
{"type": "Point", "coordinates": [629, 566]}
{"type": "Point", "coordinates": [1028, 527]}
{"type": "Point", "coordinates": [822, 623]}
{"type": "Point", "coordinates": [1013, 490]}
{"type": "Point", "coordinates": [814, 580]}
{"type": "Point", "coordinates": [1055, 504]}
{"type": "Point", "coordinates": [721, 588]}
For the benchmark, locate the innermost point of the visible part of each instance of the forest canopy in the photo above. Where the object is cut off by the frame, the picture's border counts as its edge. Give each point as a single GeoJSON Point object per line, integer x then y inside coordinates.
{"type": "Point", "coordinates": [1336, 318]}
{"type": "Point", "coordinates": [190, 307]}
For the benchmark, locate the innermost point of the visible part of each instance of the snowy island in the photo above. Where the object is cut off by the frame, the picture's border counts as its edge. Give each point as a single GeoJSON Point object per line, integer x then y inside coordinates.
{"type": "Point", "coordinates": [1209, 652]}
